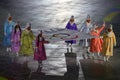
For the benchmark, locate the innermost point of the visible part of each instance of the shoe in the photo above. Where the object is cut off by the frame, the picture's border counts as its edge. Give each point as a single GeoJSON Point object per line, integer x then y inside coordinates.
{"type": "Point", "coordinates": [105, 59]}
{"type": "Point", "coordinates": [93, 57]}
{"type": "Point", "coordinates": [67, 50]}
{"type": "Point", "coordinates": [40, 65]}
{"type": "Point", "coordinates": [7, 49]}
{"type": "Point", "coordinates": [88, 49]}
{"type": "Point", "coordinates": [10, 49]}
{"type": "Point", "coordinates": [93, 54]}
{"type": "Point", "coordinates": [17, 54]}
{"type": "Point", "coordinates": [98, 54]}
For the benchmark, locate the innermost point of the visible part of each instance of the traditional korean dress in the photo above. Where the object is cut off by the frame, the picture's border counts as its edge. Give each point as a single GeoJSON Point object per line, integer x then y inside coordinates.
{"type": "Point", "coordinates": [86, 28]}
{"type": "Point", "coordinates": [109, 40]}
{"type": "Point", "coordinates": [96, 43]}
{"type": "Point", "coordinates": [27, 43]}
{"type": "Point", "coordinates": [16, 40]}
{"type": "Point", "coordinates": [71, 27]}
{"type": "Point", "coordinates": [40, 53]}
{"type": "Point", "coordinates": [8, 27]}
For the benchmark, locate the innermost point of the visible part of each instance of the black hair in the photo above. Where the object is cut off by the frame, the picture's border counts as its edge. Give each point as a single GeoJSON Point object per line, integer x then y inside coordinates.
{"type": "Point", "coordinates": [17, 26]}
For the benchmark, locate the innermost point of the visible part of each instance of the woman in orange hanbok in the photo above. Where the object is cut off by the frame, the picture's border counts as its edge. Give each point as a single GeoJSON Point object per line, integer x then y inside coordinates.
{"type": "Point", "coordinates": [96, 43]}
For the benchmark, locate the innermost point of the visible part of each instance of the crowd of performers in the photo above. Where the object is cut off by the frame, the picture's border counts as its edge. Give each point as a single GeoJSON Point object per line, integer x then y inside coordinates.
{"type": "Point", "coordinates": [103, 42]}
{"type": "Point", "coordinates": [20, 41]}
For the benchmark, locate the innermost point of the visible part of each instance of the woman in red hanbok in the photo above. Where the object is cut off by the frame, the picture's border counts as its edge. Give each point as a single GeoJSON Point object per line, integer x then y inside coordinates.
{"type": "Point", "coordinates": [96, 43]}
{"type": "Point", "coordinates": [40, 53]}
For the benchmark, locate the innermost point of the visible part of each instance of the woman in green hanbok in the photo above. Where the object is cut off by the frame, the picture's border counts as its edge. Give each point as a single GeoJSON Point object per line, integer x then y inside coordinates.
{"type": "Point", "coordinates": [27, 48]}
{"type": "Point", "coordinates": [27, 39]}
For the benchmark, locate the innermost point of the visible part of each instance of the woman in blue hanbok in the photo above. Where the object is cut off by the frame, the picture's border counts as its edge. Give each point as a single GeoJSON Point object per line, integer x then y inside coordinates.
{"type": "Point", "coordinates": [8, 27]}
{"type": "Point", "coordinates": [86, 28]}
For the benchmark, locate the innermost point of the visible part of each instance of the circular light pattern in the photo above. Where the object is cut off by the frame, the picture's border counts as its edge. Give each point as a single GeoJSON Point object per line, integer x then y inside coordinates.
{"type": "Point", "coordinates": [63, 36]}
{"type": "Point", "coordinates": [70, 38]}
{"type": "Point", "coordinates": [60, 35]}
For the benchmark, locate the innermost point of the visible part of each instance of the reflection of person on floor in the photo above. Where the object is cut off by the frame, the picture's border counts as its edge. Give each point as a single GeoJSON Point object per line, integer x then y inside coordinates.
{"type": "Point", "coordinates": [109, 40]}
{"type": "Point", "coordinates": [96, 43]}
{"type": "Point", "coordinates": [16, 35]}
{"type": "Point", "coordinates": [71, 25]}
{"type": "Point", "coordinates": [27, 39]}
{"type": "Point", "coordinates": [40, 53]}
{"type": "Point", "coordinates": [86, 28]}
{"type": "Point", "coordinates": [8, 27]}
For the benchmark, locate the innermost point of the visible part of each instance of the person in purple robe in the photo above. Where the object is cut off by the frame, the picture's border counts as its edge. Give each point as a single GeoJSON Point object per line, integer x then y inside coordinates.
{"type": "Point", "coordinates": [71, 25]}
{"type": "Point", "coordinates": [15, 39]}
{"type": "Point", "coordinates": [40, 53]}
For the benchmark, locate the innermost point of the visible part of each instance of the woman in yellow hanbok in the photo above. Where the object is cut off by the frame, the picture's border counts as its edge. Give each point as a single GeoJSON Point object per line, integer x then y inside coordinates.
{"type": "Point", "coordinates": [109, 40]}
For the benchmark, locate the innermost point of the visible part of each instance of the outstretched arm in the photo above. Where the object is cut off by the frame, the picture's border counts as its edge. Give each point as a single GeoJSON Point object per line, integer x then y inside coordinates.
{"type": "Point", "coordinates": [101, 28]}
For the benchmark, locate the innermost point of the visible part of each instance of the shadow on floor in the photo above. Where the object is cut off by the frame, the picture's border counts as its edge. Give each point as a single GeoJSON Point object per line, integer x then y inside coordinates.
{"type": "Point", "coordinates": [11, 69]}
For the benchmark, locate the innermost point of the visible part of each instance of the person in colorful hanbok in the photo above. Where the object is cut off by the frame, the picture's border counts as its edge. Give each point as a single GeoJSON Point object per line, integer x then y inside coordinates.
{"type": "Point", "coordinates": [15, 39]}
{"type": "Point", "coordinates": [8, 27]}
{"type": "Point", "coordinates": [86, 28]}
{"type": "Point", "coordinates": [71, 25]}
{"type": "Point", "coordinates": [27, 38]}
{"type": "Point", "coordinates": [109, 41]}
{"type": "Point", "coordinates": [96, 43]}
{"type": "Point", "coordinates": [40, 53]}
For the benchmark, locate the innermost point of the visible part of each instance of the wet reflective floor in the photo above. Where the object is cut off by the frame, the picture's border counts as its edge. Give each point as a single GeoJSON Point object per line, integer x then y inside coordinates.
{"type": "Point", "coordinates": [60, 64]}
{"type": "Point", "coordinates": [100, 70]}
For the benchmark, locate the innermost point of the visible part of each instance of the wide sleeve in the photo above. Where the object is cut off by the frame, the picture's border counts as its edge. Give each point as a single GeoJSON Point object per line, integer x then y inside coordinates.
{"type": "Point", "coordinates": [5, 28]}
{"type": "Point", "coordinates": [36, 44]}
{"type": "Point", "coordinates": [22, 36]}
{"type": "Point", "coordinates": [67, 26]}
{"type": "Point", "coordinates": [94, 33]}
{"type": "Point", "coordinates": [45, 40]}
{"type": "Point", "coordinates": [12, 36]}
{"type": "Point", "coordinates": [81, 28]}
{"type": "Point", "coordinates": [32, 35]}
{"type": "Point", "coordinates": [103, 35]}
{"type": "Point", "coordinates": [90, 27]}
{"type": "Point", "coordinates": [75, 27]}
{"type": "Point", "coordinates": [13, 24]}
{"type": "Point", "coordinates": [114, 39]}
{"type": "Point", "coordinates": [100, 29]}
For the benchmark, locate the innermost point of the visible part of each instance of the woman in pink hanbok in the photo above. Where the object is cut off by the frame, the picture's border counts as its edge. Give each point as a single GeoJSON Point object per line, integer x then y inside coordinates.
{"type": "Point", "coordinates": [40, 53]}
{"type": "Point", "coordinates": [15, 39]}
